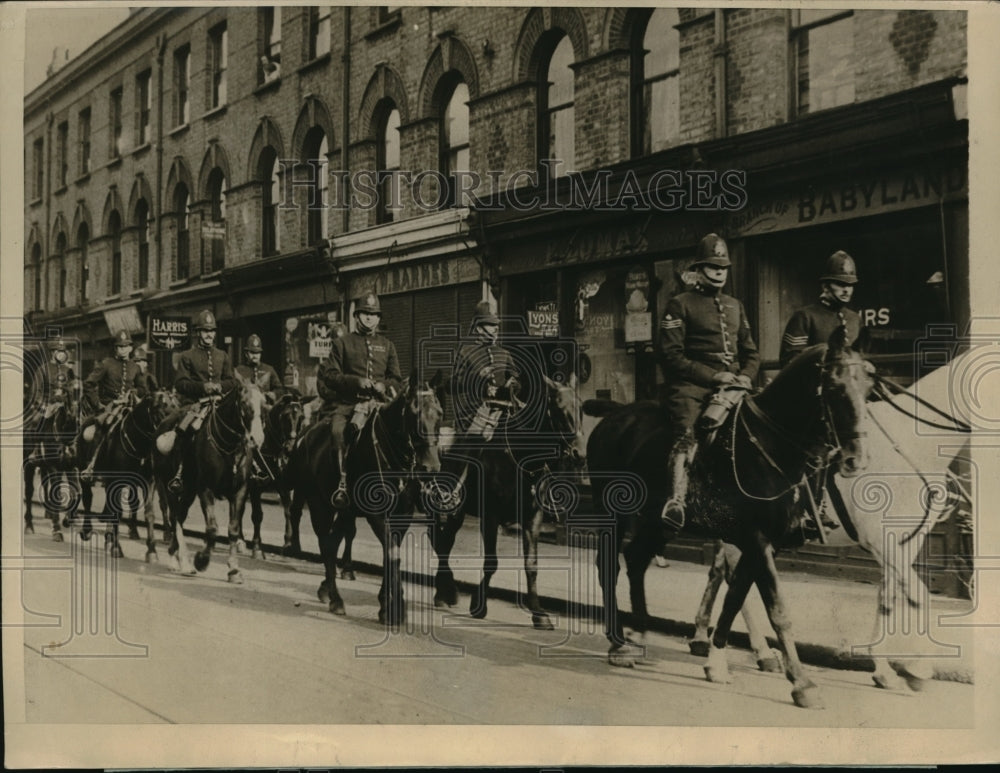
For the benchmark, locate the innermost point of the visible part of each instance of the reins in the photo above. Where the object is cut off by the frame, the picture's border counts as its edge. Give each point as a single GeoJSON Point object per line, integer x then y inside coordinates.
{"type": "Point", "coordinates": [215, 420]}
{"type": "Point", "coordinates": [885, 385]}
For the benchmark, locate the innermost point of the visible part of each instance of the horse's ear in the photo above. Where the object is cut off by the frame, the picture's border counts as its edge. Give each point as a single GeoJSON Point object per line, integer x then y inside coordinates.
{"type": "Point", "coordinates": [837, 343]}
{"type": "Point", "coordinates": [438, 379]}
{"type": "Point", "coordinates": [572, 381]}
{"type": "Point", "coordinates": [414, 381]}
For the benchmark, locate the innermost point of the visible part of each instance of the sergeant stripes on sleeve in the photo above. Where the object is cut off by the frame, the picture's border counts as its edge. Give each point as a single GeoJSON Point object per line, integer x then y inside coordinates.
{"type": "Point", "coordinates": [670, 324]}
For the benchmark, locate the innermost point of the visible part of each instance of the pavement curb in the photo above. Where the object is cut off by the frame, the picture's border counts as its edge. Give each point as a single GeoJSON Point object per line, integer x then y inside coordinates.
{"type": "Point", "coordinates": [820, 655]}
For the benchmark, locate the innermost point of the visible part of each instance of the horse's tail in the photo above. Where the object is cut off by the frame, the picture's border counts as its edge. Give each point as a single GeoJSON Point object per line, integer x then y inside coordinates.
{"type": "Point", "coordinates": [600, 407]}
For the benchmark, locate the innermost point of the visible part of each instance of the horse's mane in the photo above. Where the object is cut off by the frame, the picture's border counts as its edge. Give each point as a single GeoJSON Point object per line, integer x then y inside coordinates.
{"type": "Point", "coordinates": [807, 358]}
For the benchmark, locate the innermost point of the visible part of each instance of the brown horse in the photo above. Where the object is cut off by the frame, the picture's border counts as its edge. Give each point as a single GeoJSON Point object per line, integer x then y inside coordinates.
{"type": "Point", "coordinates": [742, 488]}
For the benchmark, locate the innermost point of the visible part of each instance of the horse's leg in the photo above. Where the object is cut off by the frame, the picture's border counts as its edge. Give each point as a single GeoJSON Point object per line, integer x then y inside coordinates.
{"type": "Point", "coordinates": [443, 533]}
{"type": "Point", "coordinates": [392, 607]}
{"type": "Point", "coordinates": [237, 504]}
{"type": "Point", "coordinates": [805, 694]}
{"type": "Point", "coordinates": [257, 518]}
{"type": "Point", "coordinates": [178, 545]}
{"type": "Point", "coordinates": [910, 597]}
{"type": "Point", "coordinates": [150, 516]}
{"type": "Point", "coordinates": [29, 493]}
{"type": "Point", "coordinates": [293, 517]}
{"type": "Point", "coordinates": [113, 512]}
{"type": "Point", "coordinates": [539, 618]}
{"type": "Point", "coordinates": [621, 652]}
{"type": "Point", "coordinates": [347, 560]}
{"type": "Point", "coordinates": [767, 659]}
{"type": "Point", "coordinates": [328, 535]}
{"type": "Point", "coordinates": [747, 568]}
{"type": "Point", "coordinates": [489, 526]}
{"type": "Point", "coordinates": [699, 642]}
{"type": "Point", "coordinates": [133, 527]}
{"type": "Point", "coordinates": [204, 556]}
{"type": "Point", "coordinates": [638, 552]}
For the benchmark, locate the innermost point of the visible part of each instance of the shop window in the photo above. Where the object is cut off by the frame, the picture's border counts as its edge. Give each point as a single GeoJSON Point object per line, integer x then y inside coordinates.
{"type": "Point", "coordinates": [182, 85]}
{"type": "Point", "coordinates": [557, 124]}
{"type": "Point", "coordinates": [38, 168]}
{"type": "Point", "coordinates": [62, 138]}
{"type": "Point", "coordinates": [115, 231]}
{"type": "Point", "coordinates": [270, 44]}
{"type": "Point", "coordinates": [218, 46]}
{"type": "Point", "coordinates": [143, 108]}
{"type": "Point", "coordinates": [83, 245]}
{"type": "Point", "coordinates": [217, 237]}
{"type": "Point", "coordinates": [387, 161]}
{"type": "Point", "coordinates": [182, 215]}
{"type": "Point", "coordinates": [319, 31]}
{"type": "Point", "coordinates": [143, 223]}
{"type": "Point", "coordinates": [317, 212]}
{"type": "Point", "coordinates": [656, 83]}
{"type": "Point", "coordinates": [455, 142]}
{"type": "Point", "coordinates": [115, 124]}
{"type": "Point", "coordinates": [269, 176]}
{"type": "Point", "coordinates": [84, 148]}
{"type": "Point", "coordinates": [824, 59]}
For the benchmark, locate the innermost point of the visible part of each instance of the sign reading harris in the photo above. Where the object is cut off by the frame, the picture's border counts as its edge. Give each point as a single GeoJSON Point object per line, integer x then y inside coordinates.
{"type": "Point", "coordinates": [169, 332]}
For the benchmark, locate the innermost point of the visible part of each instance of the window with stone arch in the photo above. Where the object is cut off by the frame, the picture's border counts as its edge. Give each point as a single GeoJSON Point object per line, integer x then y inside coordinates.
{"type": "Point", "coordinates": [143, 226]}
{"type": "Point", "coordinates": [115, 232]}
{"type": "Point", "coordinates": [315, 150]}
{"type": "Point", "coordinates": [36, 267]}
{"type": "Point", "coordinates": [656, 82]}
{"type": "Point", "coordinates": [217, 221]}
{"type": "Point", "coordinates": [387, 120]}
{"type": "Point", "coordinates": [557, 116]}
{"type": "Point", "coordinates": [454, 135]}
{"type": "Point", "coordinates": [60, 266]}
{"type": "Point", "coordinates": [269, 175]}
{"type": "Point", "coordinates": [182, 215]}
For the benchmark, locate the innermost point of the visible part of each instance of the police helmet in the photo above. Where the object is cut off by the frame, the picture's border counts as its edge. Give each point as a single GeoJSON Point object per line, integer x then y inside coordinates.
{"type": "Point", "coordinates": [253, 343]}
{"type": "Point", "coordinates": [123, 339]}
{"type": "Point", "coordinates": [712, 251]}
{"type": "Point", "coordinates": [205, 321]}
{"type": "Point", "coordinates": [840, 268]}
{"type": "Point", "coordinates": [484, 315]}
{"type": "Point", "coordinates": [369, 304]}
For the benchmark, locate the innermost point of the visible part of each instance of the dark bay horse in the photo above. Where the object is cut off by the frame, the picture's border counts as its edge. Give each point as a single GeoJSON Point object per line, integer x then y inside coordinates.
{"type": "Point", "coordinates": [216, 460]}
{"type": "Point", "coordinates": [282, 427]}
{"type": "Point", "coordinates": [44, 453]}
{"type": "Point", "coordinates": [742, 489]}
{"type": "Point", "coordinates": [398, 441]}
{"type": "Point", "coordinates": [512, 477]}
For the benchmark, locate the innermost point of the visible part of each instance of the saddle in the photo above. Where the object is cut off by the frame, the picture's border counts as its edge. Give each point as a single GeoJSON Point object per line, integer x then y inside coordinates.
{"type": "Point", "coordinates": [720, 404]}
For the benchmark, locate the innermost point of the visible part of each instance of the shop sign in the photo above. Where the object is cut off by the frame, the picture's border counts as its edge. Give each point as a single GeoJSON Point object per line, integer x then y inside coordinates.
{"type": "Point", "coordinates": [588, 246]}
{"type": "Point", "coordinates": [320, 336]}
{"type": "Point", "coordinates": [123, 318]}
{"type": "Point", "coordinates": [167, 333]}
{"type": "Point", "coordinates": [638, 327]}
{"type": "Point", "coordinates": [636, 291]}
{"type": "Point", "coordinates": [875, 195]}
{"type": "Point", "coordinates": [543, 320]}
{"type": "Point", "coordinates": [213, 230]}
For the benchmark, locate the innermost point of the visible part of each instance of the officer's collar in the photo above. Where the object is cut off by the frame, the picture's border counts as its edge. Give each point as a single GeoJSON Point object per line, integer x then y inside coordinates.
{"type": "Point", "coordinates": [706, 289]}
{"type": "Point", "coordinates": [831, 303]}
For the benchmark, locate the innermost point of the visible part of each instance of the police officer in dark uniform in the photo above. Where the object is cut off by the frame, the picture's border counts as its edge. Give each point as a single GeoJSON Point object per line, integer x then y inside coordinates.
{"type": "Point", "coordinates": [815, 323]}
{"type": "Point", "coordinates": [145, 382]}
{"type": "Point", "coordinates": [362, 365]}
{"type": "Point", "coordinates": [107, 391]}
{"type": "Point", "coordinates": [260, 373]}
{"type": "Point", "coordinates": [202, 371]}
{"type": "Point", "coordinates": [60, 378]}
{"type": "Point", "coordinates": [484, 379]}
{"type": "Point", "coordinates": [705, 343]}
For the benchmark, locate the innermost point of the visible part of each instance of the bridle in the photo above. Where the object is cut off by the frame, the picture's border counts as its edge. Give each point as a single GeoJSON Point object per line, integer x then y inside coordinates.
{"type": "Point", "coordinates": [218, 426]}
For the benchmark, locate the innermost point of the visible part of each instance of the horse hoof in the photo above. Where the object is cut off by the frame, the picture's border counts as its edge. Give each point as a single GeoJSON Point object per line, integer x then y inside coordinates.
{"type": "Point", "coordinates": [337, 608]}
{"type": "Point", "coordinates": [347, 574]}
{"type": "Point", "coordinates": [887, 681]}
{"type": "Point", "coordinates": [807, 697]}
{"type": "Point", "coordinates": [241, 547]}
{"type": "Point", "coordinates": [201, 559]}
{"type": "Point", "coordinates": [235, 577]}
{"type": "Point", "coordinates": [339, 499]}
{"type": "Point", "coordinates": [29, 528]}
{"type": "Point", "coordinates": [57, 536]}
{"type": "Point", "coordinates": [699, 647]}
{"type": "Point", "coordinates": [152, 557]}
{"type": "Point", "coordinates": [769, 665]}
{"type": "Point", "coordinates": [718, 675]}
{"type": "Point", "coordinates": [542, 622]}
{"type": "Point", "coordinates": [621, 657]}
{"type": "Point", "coordinates": [65, 522]}
{"type": "Point", "coordinates": [134, 534]}
{"type": "Point", "coordinates": [258, 554]}
{"type": "Point", "coordinates": [477, 612]}
{"type": "Point", "coordinates": [323, 592]}
{"type": "Point", "coordinates": [445, 599]}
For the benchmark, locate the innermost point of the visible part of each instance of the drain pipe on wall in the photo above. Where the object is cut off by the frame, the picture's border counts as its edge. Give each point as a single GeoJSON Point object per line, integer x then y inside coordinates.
{"type": "Point", "coordinates": [345, 139]}
{"type": "Point", "coordinates": [719, 53]}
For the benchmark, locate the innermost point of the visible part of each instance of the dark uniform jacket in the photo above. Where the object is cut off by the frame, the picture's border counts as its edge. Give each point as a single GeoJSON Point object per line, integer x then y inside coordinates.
{"type": "Point", "coordinates": [264, 376]}
{"type": "Point", "coordinates": [813, 325]}
{"type": "Point", "coordinates": [111, 379]}
{"type": "Point", "coordinates": [61, 380]}
{"type": "Point", "coordinates": [196, 367]}
{"type": "Point", "coordinates": [352, 358]}
{"type": "Point", "coordinates": [481, 371]}
{"type": "Point", "coordinates": [145, 384]}
{"type": "Point", "coordinates": [703, 333]}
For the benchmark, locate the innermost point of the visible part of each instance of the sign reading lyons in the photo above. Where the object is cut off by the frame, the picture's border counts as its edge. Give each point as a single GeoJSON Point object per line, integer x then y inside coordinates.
{"type": "Point", "coordinates": [168, 332]}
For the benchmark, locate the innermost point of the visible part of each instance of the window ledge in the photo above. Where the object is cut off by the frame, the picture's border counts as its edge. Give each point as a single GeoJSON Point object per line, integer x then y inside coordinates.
{"type": "Point", "coordinates": [268, 85]}
{"type": "Point", "coordinates": [215, 112]}
{"type": "Point", "coordinates": [36, 201]}
{"type": "Point", "coordinates": [313, 63]}
{"type": "Point", "coordinates": [386, 27]}
{"type": "Point", "coordinates": [179, 129]}
{"type": "Point", "coordinates": [179, 283]}
{"type": "Point", "coordinates": [114, 162]}
{"type": "Point", "coordinates": [59, 190]}
{"type": "Point", "coordinates": [141, 149]}
{"type": "Point", "coordinates": [82, 179]}
{"type": "Point", "coordinates": [111, 298]}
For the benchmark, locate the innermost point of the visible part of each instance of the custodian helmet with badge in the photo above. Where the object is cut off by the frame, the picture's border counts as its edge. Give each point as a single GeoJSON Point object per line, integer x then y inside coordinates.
{"type": "Point", "coordinates": [712, 250]}
{"type": "Point", "coordinates": [840, 268]}
{"type": "Point", "coordinates": [484, 315]}
{"type": "Point", "coordinates": [205, 321]}
{"type": "Point", "coordinates": [369, 304]}
{"type": "Point", "coordinates": [123, 339]}
{"type": "Point", "coordinates": [253, 344]}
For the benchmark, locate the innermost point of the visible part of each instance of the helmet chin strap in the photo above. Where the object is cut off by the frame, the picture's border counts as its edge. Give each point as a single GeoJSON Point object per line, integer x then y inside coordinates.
{"type": "Point", "coordinates": [363, 328]}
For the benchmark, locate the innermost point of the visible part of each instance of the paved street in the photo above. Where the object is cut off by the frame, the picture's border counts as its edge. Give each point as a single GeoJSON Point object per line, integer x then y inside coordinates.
{"type": "Point", "coordinates": [268, 651]}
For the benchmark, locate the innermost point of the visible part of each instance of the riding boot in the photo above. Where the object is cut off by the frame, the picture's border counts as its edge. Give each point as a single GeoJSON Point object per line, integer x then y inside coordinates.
{"type": "Point", "coordinates": [339, 498]}
{"type": "Point", "coordinates": [673, 511]}
{"type": "Point", "coordinates": [87, 474]}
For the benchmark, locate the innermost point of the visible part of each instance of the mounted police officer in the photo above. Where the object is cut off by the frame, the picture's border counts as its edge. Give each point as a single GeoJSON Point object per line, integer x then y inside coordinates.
{"type": "Point", "coordinates": [814, 324]}
{"type": "Point", "coordinates": [484, 387]}
{"type": "Point", "coordinates": [107, 391]}
{"type": "Point", "coordinates": [61, 381]}
{"type": "Point", "coordinates": [706, 345]}
{"type": "Point", "coordinates": [202, 372]}
{"type": "Point", "coordinates": [145, 382]}
{"type": "Point", "coordinates": [259, 373]}
{"type": "Point", "coordinates": [362, 366]}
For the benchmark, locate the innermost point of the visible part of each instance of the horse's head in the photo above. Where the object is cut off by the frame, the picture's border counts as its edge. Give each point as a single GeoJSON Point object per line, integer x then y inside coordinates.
{"type": "Point", "coordinates": [422, 415]}
{"type": "Point", "coordinates": [162, 403]}
{"type": "Point", "coordinates": [564, 413]}
{"type": "Point", "coordinates": [252, 410]}
{"type": "Point", "coordinates": [845, 382]}
{"type": "Point", "coordinates": [284, 422]}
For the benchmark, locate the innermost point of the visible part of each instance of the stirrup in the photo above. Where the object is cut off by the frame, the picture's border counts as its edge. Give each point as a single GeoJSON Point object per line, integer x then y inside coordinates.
{"type": "Point", "coordinates": [176, 484]}
{"type": "Point", "coordinates": [339, 498]}
{"type": "Point", "coordinates": [87, 474]}
{"type": "Point", "coordinates": [672, 514]}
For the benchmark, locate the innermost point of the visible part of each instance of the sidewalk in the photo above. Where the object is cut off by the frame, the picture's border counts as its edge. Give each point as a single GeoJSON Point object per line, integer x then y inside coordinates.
{"type": "Point", "coordinates": [830, 615]}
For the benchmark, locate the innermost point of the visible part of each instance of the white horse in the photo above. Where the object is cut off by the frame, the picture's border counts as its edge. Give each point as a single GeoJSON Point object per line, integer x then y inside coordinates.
{"type": "Point", "coordinates": [913, 438]}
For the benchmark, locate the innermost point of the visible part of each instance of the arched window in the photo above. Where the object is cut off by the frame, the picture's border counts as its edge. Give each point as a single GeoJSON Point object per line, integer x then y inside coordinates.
{"type": "Point", "coordinates": [182, 213]}
{"type": "Point", "coordinates": [217, 212]}
{"type": "Point", "coordinates": [269, 176]}
{"type": "Point", "coordinates": [142, 223]}
{"type": "Point", "coordinates": [388, 163]}
{"type": "Point", "coordinates": [317, 218]}
{"type": "Point", "coordinates": [656, 85]}
{"type": "Point", "coordinates": [115, 232]}
{"type": "Point", "coordinates": [455, 141]}
{"type": "Point", "coordinates": [83, 244]}
{"type": "Point", "coordinates": [36, 265]}
{"type": "Point", "coordinates": [557, 117]}
{"type": "Point", "coordinates": [61, 267]}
